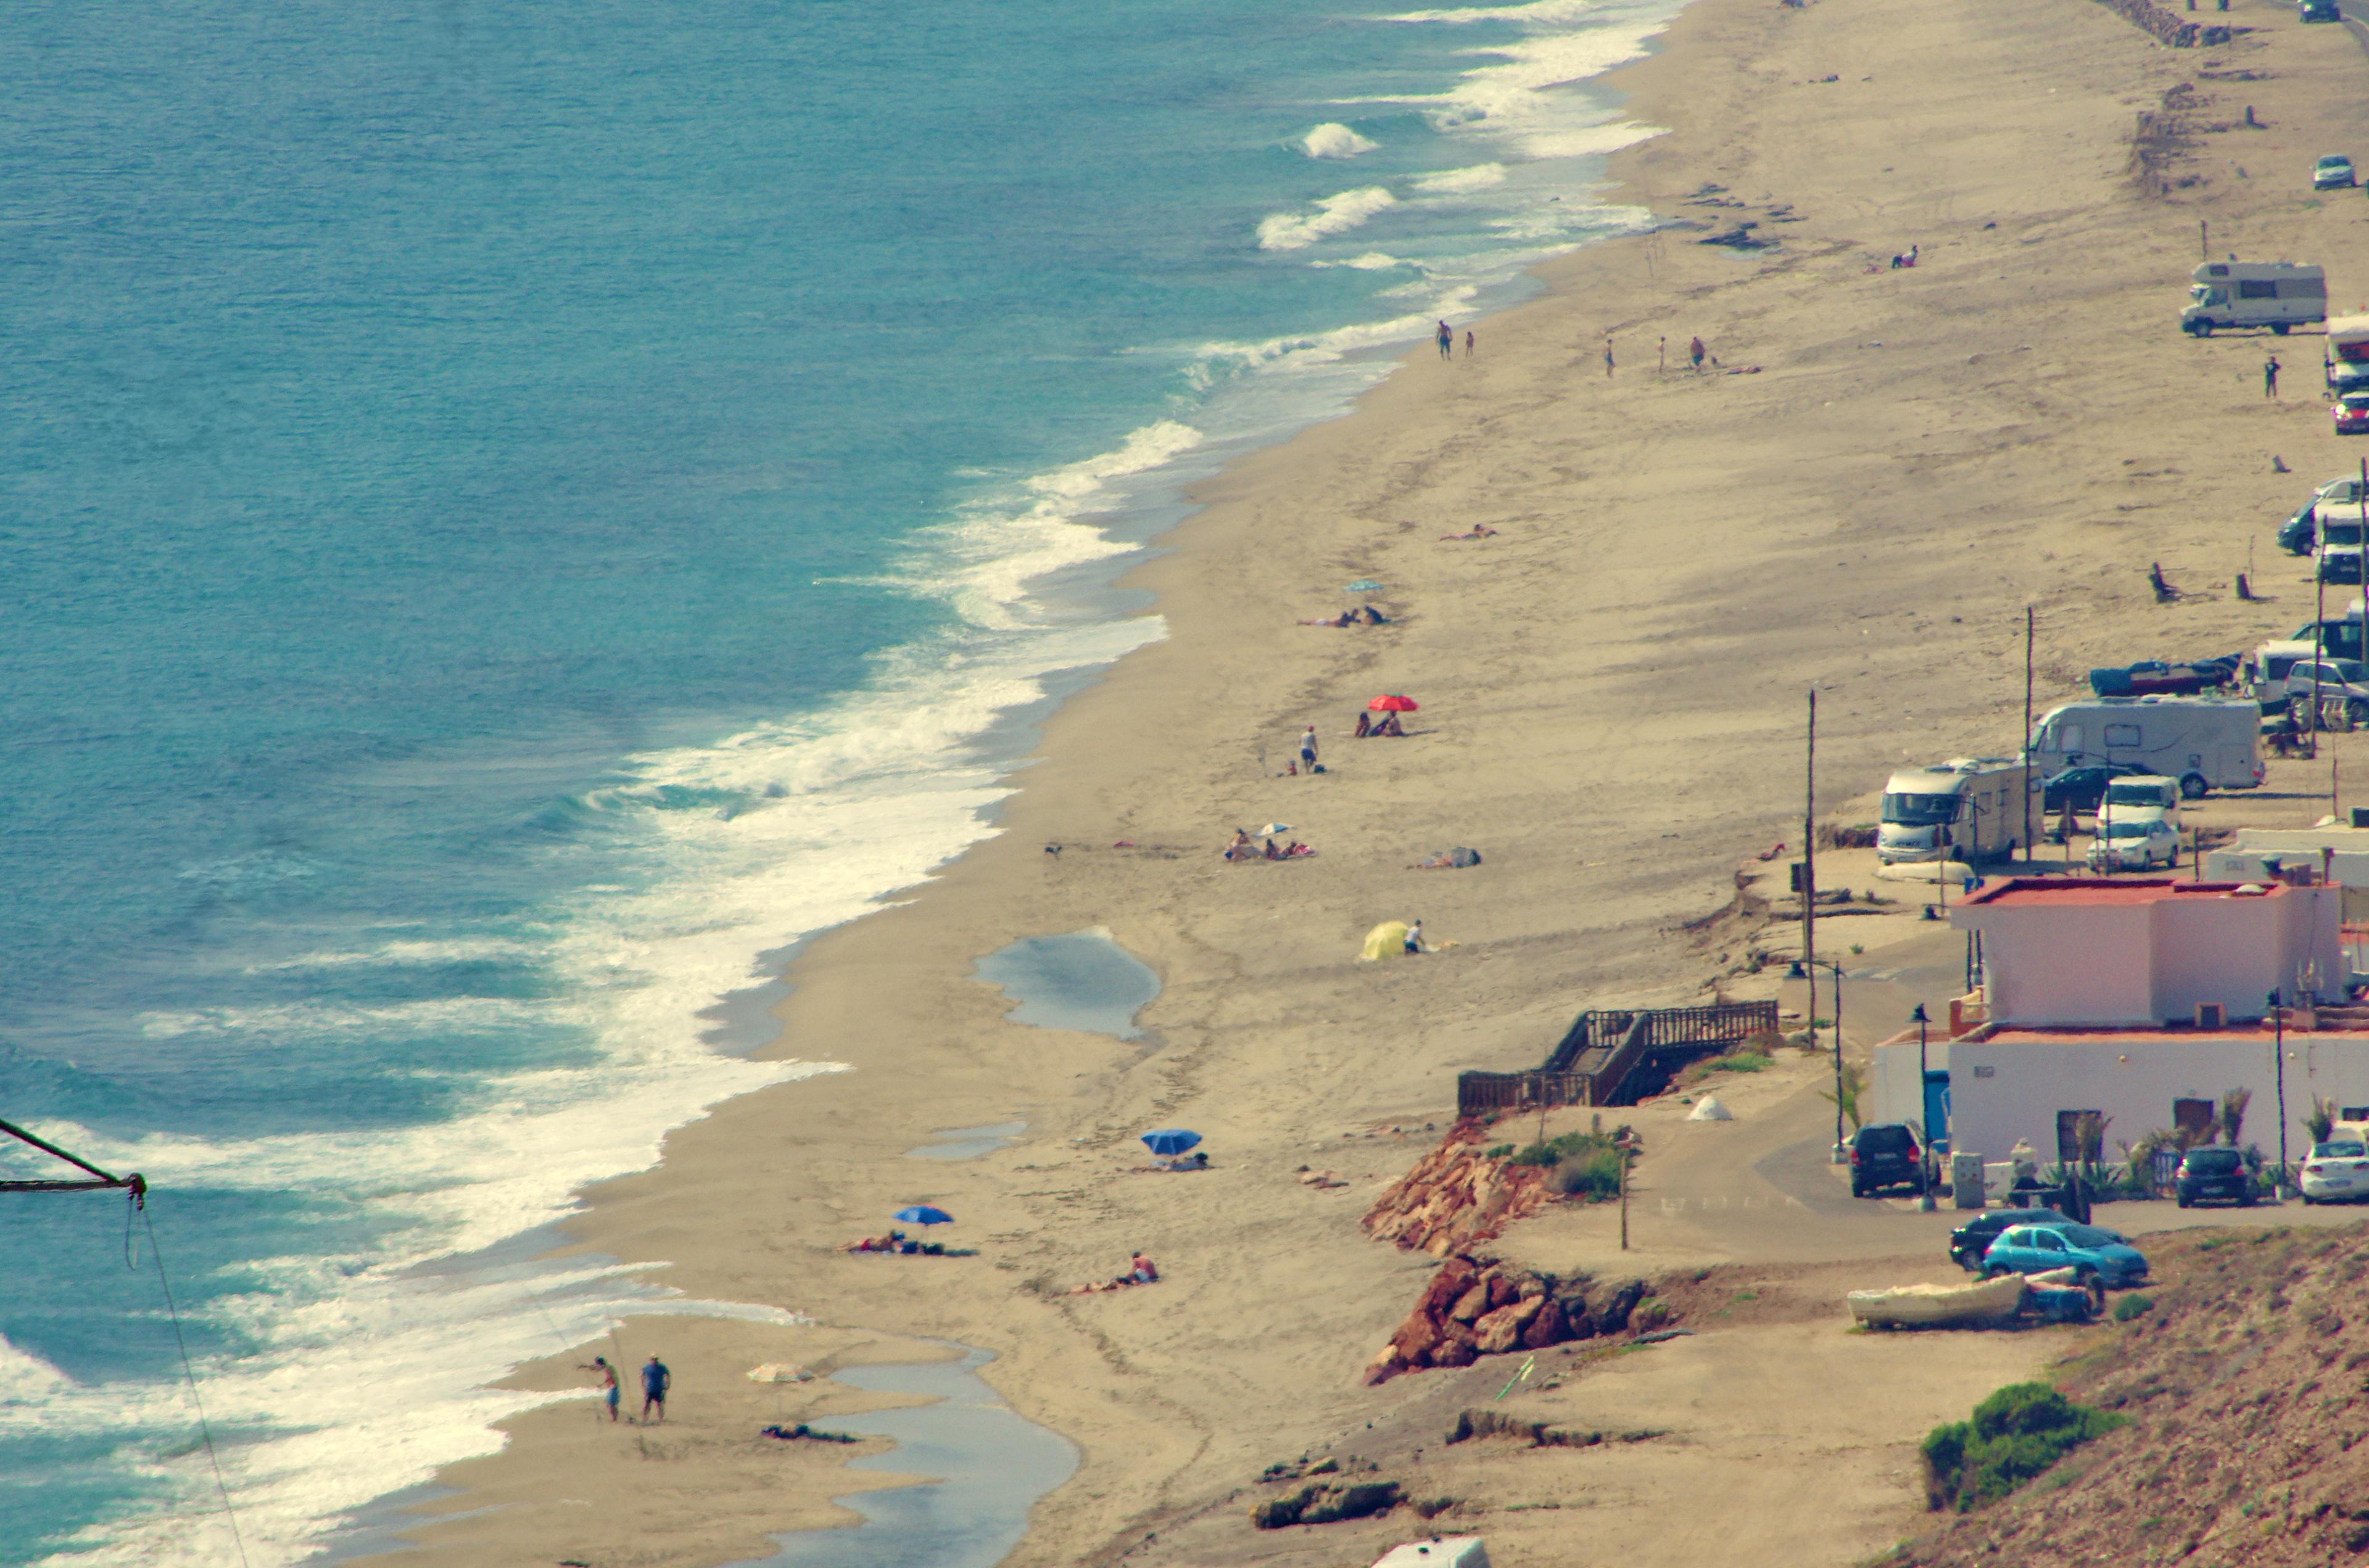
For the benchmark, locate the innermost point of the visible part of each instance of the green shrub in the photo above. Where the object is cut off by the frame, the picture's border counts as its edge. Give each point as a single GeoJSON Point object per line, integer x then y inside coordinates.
{"type": "Point", "coordinates": [1595, 1173]}
{"type": "Point", "coordinates": [1742, 1061]}
{"type": "Point", "coordinates": [2133, 1305]}
{"type": "Point", "coordinates": [1651, 1314]}
{"type": "Point", "coordinates": [2016, 1435]}
{"type": "Point", "coordinates": [1561, 1147]}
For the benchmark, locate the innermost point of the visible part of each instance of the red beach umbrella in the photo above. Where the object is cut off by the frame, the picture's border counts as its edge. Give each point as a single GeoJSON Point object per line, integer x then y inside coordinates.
{"type": "Point", "coordinates": [1393, 705]}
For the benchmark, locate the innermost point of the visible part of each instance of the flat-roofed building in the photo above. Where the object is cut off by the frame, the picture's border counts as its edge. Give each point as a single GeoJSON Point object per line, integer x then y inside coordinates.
{"type": "Point", "coordinates": [2144, 1000]}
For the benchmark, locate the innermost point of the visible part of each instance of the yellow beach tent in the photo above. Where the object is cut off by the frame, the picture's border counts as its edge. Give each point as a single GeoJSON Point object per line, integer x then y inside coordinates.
{"type": "Point", "coordinates": [1387, 940]}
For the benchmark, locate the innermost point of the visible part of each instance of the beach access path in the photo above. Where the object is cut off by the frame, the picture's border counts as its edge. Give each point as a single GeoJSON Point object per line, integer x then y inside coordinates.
{"type": "Point", "coordinates": [1887, 467]}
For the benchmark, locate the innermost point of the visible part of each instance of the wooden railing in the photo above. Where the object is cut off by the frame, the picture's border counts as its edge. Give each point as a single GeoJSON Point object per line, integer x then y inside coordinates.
{"type": "Point", "coordinates": [1598, 1052]}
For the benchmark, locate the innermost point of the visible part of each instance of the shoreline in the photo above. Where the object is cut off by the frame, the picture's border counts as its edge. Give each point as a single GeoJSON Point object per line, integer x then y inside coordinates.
{"type": "Point", "coordinates": [1264, 1035]}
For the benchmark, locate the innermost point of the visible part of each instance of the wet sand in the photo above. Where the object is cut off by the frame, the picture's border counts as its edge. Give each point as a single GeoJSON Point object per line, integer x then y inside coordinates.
{"type": "Point", "coordinates": [1885, 468]}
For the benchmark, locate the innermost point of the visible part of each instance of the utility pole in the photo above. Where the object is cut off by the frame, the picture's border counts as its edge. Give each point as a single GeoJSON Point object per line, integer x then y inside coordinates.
{"type": "Point", "coordinates": [2028, 840]}
{"type": "Point", "coordinates": [1810, 867]}
{"type": "Point", "coordinates": [2318, 638]}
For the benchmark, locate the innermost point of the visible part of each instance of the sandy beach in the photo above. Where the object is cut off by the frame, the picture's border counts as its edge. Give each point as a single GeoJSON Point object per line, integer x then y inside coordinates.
{"type": "Point", "coordinates": [1879, 472]}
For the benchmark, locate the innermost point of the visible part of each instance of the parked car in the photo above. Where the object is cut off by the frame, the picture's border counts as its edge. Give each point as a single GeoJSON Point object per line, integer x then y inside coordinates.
{"type": "Point", "coordinates": [2136, 838]}
{"type": "Point", "coordinates": [1886, 1155]}
{"type": "Point", "coordinates": [2351, 413]}
{"type": "Point", "coordinates": [2339, 677]}
{"type": "Point", "coordinates": [2333, 172]}
{"type": "Point", "coordinates": [1969, 1241]}
{"type": "Point", "coordinates": [2296, 535]}
{"type": "Point", "coordinates": [2339, 548]}
{"type": "Point", "coordinates": [2335, 1171]}
{"type": "Point", "coordinates": [2347, 375]}
{"type": "Point", "coordinates": [2093, 1253]}
{"type": "Point", "coordinates": [2082, 788]}
{"type": "Point", "coordinates": [2320, 11]}
{"type": "Point", "coordinates": [2206, 1174]}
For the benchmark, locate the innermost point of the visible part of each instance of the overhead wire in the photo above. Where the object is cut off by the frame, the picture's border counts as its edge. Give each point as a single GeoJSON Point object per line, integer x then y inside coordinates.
{"type": "Point", "coordinates": [205, 1429]}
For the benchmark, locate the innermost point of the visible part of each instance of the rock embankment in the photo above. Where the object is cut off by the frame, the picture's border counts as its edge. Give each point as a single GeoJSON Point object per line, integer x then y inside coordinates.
{"type": "Point", "coordinates": [1475, 1307]}
{"type": "Point", "coordinates": [1456, 1196]}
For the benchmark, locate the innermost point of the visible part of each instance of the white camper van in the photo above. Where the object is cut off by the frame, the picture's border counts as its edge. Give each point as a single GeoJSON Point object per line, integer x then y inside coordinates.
{"type": "Point", "coordinates": [2204, 742]}
{"type": "Point", "coordinates": [2276, 294]}
{"type": "Point", "coordinates": [1969, 808]}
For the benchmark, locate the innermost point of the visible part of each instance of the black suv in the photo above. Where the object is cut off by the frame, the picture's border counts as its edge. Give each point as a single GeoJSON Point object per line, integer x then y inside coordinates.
{"type": "Point", "coordinates": [2207, 1173]}
{"type": "Point", "coordinates": [1969, 1241]}
{"type": "Point", "coordinates": [1884, 1156]}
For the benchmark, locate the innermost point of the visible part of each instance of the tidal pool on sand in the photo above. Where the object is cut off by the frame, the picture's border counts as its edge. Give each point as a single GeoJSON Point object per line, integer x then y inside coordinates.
{"type": "Point", "coordinates": [1083, 980]}
{"type": "Point", "coordinates": [967, 1142]}
{"type": "Point", "coordinates": [989, 1468]}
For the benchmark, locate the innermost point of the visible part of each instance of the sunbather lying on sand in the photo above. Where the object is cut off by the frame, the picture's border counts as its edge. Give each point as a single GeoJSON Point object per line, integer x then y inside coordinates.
{"type": "Point", "coordinates": [895, 1241]}
{"type": "Point", "coordinates": [1364, 615]}
{"type": "Point", "coordinates": [1475, 531]}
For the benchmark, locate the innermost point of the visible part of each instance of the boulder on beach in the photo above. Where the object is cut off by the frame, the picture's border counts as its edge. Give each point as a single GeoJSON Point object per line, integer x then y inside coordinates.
{"type": "Point", "coordinates": [1708, 1109]}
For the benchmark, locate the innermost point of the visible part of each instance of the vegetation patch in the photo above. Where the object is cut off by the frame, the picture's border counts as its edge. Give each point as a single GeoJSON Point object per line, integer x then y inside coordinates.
{"type": "Point", "coordinates": [2016, 1435]}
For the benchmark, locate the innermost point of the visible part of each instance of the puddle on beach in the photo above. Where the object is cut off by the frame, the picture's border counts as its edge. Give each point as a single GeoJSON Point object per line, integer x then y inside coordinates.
{"type": "Point", "coordinates": [990, 1466]}
{"type": "Point", "coordinates": [967, 1142]}
{"type": "Point", "coordinates": [1083, 981]}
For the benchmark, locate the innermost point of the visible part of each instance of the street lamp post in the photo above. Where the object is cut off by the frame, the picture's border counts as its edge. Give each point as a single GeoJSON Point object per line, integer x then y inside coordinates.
{"type": "Point", "coordinates": [1924, 1118]}
{"type": "Point", "coordinates": [2278, 1067]}
{"type": "Point", "coordinates": [1802, 970]}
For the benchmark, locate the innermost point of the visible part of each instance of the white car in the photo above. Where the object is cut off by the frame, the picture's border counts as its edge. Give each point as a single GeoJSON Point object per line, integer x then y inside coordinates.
{"type": "Point", "coordinates": [2136, 840]}
{"type": "Point", "coordinates": [2332, 172]}
{"type": "Point", "coordinates": [2335, 1171]}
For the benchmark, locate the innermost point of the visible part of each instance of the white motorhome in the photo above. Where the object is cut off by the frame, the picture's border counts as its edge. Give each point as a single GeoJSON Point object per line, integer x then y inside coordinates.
{"type": "Point", "coordinates": [1969, 808]}
{"type": "Point", "coordinates": [2276, 294]}
{"type": "Point", "coordinates": [2206, 743]}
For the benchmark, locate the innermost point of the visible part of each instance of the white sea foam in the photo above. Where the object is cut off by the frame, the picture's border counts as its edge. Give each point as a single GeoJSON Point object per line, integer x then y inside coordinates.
{"type": "Point", "coordinates": [364, 1376]}
{"type": "Point", "coordinates": [1372, 261]}
{"type": "Point", "coordinates": [1457, 182]}
{"type": "Point", "coordinates": [1332, 140]}
{"type": "Point", "coordinates": [1335, 214]}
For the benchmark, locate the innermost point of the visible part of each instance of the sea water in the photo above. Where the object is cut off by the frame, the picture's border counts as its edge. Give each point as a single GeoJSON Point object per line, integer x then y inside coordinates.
{"type": "Point", "coordinates": [510, 518]}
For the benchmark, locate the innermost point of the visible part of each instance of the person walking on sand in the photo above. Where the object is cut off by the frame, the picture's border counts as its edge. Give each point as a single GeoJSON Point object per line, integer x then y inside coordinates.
{"type": "Point", "coordinates": [1308, 750]}
{"type": "Point", "coordinates": [1468, 342]}
{"type": "Point", "coordinates": [1446, 341]}
{"type": "Point", "coordinates": [2270, 376]}
{"type": "Point", "coordinates": [1695, 351]}
{"type": "Point", "coordinates": [608, 1391]}
{"type": "Point", "coordinates": [1608, 356]}
{"type": "Point", "coordinates": [655, 1381]}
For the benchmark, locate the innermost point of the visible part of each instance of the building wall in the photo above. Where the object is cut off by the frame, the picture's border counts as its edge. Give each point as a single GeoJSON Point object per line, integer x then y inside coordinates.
{"type": "Point", "coordinates": [2076, 964]}
{"type": "Point", "coordinates": [1890, 1094]}
{"type": "Point", "coordinates": [2134, 1082]}
{"type": "Point", "coordinates": [2226, 950]}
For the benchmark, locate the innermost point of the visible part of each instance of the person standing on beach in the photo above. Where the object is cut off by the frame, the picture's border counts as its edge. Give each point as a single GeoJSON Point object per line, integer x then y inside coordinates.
{"type": "Point", "coordinates": [2270, 376]}
{"type": "Point", "coordinates": [1608, 356]}
{"type": "Point", "coordinates": [1308, 749]}
{"type": "Point", "coordinates": [1695, 351]}
{"type": "Point", "coordinates": [1662, 357]}
{"type": "Point", "coordinates": [608, 1382]}
{"type": "Point", "coordinates": [1468, 342]}
{"type": "Point", "coordinates": [1446, 341]}
{"type": "Point", "coordinates": [655, 1381]}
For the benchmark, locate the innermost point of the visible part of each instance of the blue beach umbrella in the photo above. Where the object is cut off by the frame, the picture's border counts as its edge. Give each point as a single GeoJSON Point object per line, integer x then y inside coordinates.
{"type": "Point", "coordinates": [923, 1214]}
{"type": "Point", "coordinates": [1171, 1141]}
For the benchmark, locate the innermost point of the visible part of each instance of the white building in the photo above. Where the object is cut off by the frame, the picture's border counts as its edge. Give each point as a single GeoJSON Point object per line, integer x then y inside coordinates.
{"type": "Point", "coordinates": [2144, 1000]}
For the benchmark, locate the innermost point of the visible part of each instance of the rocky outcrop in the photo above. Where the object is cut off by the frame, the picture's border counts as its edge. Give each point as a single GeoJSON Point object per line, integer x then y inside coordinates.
{"type": "Point", "coordinates": [1473, 1308]}
{"type": "Point", "coordinates": [1324, 1502]}
{"type": "Point", "coordinates": [1456, 1197]}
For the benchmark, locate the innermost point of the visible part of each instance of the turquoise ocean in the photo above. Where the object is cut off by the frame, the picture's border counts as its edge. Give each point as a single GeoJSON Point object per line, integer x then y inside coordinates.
{"type": "Point", "coordinates": [513, 516]}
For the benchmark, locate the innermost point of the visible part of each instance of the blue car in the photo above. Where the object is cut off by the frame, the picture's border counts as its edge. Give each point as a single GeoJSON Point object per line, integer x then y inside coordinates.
{"type": "Point", "coordinates": [2091, 1252]}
